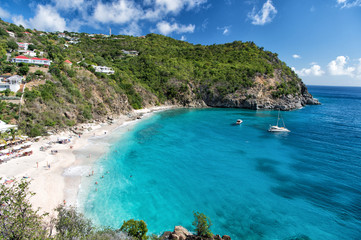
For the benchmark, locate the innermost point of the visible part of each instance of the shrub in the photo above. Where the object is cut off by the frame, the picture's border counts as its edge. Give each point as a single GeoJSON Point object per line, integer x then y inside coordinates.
{"type": "Point", "coordinates": [202, 225]}
{"type": "Point", "coordinates": [71, 225]}
{"type": "Point", "coordinates": [17, 218]}
{"type": "Point", "coordinates": [136, 229]}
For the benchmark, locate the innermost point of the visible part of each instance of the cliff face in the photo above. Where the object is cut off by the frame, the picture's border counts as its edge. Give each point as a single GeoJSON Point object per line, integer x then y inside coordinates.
{"type": "Point", "coordinates": [259, 96]}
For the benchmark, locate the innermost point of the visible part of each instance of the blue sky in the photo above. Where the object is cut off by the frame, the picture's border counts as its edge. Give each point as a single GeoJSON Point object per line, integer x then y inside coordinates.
{"type": "Point", "coordinates": [320, 39]}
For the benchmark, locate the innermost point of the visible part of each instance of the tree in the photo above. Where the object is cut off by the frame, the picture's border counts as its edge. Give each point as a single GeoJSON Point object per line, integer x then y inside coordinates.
{"type": "Point", "coordinates": [13, 133]}
{"type": "Point", "coordinates": [17, 218]}
{"type": "Point", "coordinates": [23, 70]}
{"type": "Point", "coordinates": [136, 229]}
{"type": "Point", "coordinates": [31, 47]}
{"type": "Point", "coordinates": [71, 225]}
{"type": "Point", "coordinates": [202, 225]}
{"type": "Point", "coordinates": [12, 45]}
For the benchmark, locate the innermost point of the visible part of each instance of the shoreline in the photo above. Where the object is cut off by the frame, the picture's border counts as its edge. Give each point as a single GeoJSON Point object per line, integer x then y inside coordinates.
{"type": "Point", "coordinates": [56, 179]}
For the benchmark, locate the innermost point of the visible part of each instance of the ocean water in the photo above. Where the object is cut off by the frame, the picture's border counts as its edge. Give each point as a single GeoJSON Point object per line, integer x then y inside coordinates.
{"type": "Point", "coordinates": [251, 183]}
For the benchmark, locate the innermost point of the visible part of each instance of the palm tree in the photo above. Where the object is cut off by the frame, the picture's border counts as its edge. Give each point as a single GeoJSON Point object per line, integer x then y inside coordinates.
{"type": "Point", "coordinates": [13, 133]}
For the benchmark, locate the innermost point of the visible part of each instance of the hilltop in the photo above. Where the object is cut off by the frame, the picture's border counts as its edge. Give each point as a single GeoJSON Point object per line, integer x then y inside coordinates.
{"type": "Point", "coordinates": [92, 76]}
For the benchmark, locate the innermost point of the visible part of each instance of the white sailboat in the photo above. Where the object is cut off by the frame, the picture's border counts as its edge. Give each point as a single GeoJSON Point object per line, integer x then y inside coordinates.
{"type": "Point", "coordinates": [277, 128]}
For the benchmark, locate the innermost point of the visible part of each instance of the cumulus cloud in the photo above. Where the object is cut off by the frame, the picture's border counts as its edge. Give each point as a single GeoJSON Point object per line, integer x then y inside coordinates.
{"type": "Point", "coordinates": [132, 29]}
{"type": "Point", "coordinates": [120, 12]}
{"type": "Point", "coordinates": [159, 8]}
{"type": "Point", "coordinates": [166, 28]}
{"type": "Point", "coordinates": [296, 56]}
{"type": "Point", "coordinates": [263, 16]}
{"type": "Point", "coordinates": [45, 19]}
{"type": "Point", "coordinates": [69, 4]}
{"type": "Point", "coordinates": [4, 13]}
{"type": "Point", "coordinates": [348, 3]}
{"type": "Point", "coordinates": [314, 70]}
{"type": "Point", "coordinates": [183, 38]}
{"type": "Point", "coordinates": [338, 67]}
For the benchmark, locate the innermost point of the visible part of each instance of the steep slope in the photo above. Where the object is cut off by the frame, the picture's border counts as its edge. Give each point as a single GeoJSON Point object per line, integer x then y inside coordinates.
{"type": "Point", "coordinates": [149, 71]}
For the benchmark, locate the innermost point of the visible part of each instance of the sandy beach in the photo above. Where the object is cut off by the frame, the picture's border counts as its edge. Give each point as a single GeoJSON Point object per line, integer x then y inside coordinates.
{"type": "Point", "coordinates": [56, 178]}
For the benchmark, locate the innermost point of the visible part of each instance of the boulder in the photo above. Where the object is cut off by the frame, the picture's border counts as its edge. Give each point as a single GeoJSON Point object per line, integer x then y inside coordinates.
{"type": "Point", "coordinates": [181, 232]}
{"type": "Point", "coordinates": [174, 237]}
{"type": "Point", "coordinates": [226, 237]}
{"type": "Point", "coordinates": [165, 235]}
{"type": "Point", "coordinates": [217, 237]}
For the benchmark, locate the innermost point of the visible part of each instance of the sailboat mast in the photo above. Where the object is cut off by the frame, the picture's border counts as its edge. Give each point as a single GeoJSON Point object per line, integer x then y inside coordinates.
{"type": "Point", "coordinates": [278, 118]}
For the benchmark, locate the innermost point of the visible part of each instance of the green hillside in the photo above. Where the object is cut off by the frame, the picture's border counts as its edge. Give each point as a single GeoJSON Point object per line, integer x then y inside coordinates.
{"type": "Point", "coordinates": [150, 70]}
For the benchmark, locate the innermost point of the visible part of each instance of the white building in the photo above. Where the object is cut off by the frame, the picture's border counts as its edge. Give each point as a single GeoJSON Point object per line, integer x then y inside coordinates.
{"type": "Point", "coordinates": [103, 69]}
{"type": "Point", "coordinates": [131, 53]}
{"type": "Point", "coordinates": [23, 46]}
{"type": "Point", "coordinates": [5, 127]}
{"type": "Point", "coordinates": [35, 60]}
{"type": "Point", "coordinates": [11, 34]}
{"type": "Point", "coordinates": [13, 83]}
{"type": "Point", "coordinates": [27, 53]}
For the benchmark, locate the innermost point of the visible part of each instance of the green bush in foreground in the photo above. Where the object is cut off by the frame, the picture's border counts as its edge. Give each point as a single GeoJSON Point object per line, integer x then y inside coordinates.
{"type": "Point", "coordinates": [17, 218]}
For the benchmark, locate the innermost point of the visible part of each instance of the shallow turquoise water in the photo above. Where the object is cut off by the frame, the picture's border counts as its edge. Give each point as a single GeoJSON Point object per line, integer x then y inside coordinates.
{"type": "Point", "coordinates": [251, 183]}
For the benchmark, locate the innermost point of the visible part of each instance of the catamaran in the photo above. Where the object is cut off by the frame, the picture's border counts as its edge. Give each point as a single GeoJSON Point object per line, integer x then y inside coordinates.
{"type": "Point", "coordinates": [277, 128]}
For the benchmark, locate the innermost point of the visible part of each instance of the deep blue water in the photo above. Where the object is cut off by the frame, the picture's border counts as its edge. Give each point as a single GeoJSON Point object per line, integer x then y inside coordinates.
{"type": "Point", "coordinates": [251, 183]}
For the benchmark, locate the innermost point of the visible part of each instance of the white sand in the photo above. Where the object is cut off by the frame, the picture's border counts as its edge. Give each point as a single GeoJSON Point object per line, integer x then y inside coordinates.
{"type": "Point", "coordinates": [62, 180]}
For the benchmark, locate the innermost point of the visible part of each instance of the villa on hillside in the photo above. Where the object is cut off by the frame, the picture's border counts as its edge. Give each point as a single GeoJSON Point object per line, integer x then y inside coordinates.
{"type": "Point", "coordinates": [68, 62]}
{"type": "Point", "coordinates": [23, 46]}
{"type": "Point", "coordinates": [27, 53]}
{"type": "Point", "coordinates": [130, 53]}
{"type": "Point", "coordinates": [35, 60]}
{"type": "Point", "coordinates": [11, 34]}
{"type": "Point", "coordinates": [10, 82]}
{"type": "Point", "coordinates": [103, 69]}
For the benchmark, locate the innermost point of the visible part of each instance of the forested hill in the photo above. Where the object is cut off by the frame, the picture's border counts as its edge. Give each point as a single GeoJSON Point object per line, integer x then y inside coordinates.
{"type": "Point", "coordinates": [149, 70]}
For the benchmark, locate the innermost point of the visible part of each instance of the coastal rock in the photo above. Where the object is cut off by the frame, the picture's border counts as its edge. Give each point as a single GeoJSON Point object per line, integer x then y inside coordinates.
{"type": "Point", "coordinates": [181, 232]}
{"type": "Point", "coordinates": [166, 235]}
{"type": "Point", "coordinates": [174, 237]}
{"type": "Point", "coordinates": [217, 237]}
{"type": "Point", "coordinates": [226, 237]}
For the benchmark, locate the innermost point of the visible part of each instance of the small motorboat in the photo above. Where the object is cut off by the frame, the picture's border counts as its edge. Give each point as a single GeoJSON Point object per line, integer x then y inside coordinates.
{"type": "Point", "coordinates": [239, 121]}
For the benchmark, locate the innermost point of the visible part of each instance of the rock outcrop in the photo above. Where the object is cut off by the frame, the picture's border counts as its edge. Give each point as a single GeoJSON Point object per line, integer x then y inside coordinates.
{"type": "Point", "coordinates": [181, 233]}
{"type": "Point", "coordinates": [259, 96]}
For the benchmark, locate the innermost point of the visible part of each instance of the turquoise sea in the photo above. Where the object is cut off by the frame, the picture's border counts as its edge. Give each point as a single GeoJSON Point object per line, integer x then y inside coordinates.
{"type": "Point", "coordinates": [251, 183]}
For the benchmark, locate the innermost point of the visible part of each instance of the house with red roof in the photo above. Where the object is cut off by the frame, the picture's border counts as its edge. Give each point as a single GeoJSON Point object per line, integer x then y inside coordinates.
{"type": "Point", "coordinates": [35, 60]}
{"type": "Point", "coordinates": [68, 62]}
{"type": "Point", "coordinates": [23, 46]}
{"type": "Point", "coordinates": [11, 34]}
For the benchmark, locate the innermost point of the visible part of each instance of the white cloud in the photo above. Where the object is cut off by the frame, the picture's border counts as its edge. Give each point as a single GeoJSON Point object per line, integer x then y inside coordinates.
{"type": "Point", "coordinates": [205, 24]}
{"type": "Point", "coordinates": [183, 38]}
{"type": "Point", "coordinates": [263, 16]}
{"type": "Point", "coordinates": [132, 29]}
{"type": "Point", "coordinates": [314, 70]}
{"type": "Point", "coordinates": [4, 13]}
{"type": "Point", "coordinates": [296, 56]}
{"type": "Point", "coordinates": [69, 4]}
{"type": "Point", "coordinates": [348, 3]}
{"type": "Point", "coordinates": [164, 7]}
{"type": "Point", "coordinates": [120, 12]}
{"type": "Point", "coordinates": [338, 67]}
{"type": "Point", "coordinates": [166, 28]}
{"type": "Point", "coordinates": [46, 19]}
{"type": "Point", "coordinates": [359, 68]}
{"type": "Point", "coordinates": [225, 30]}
